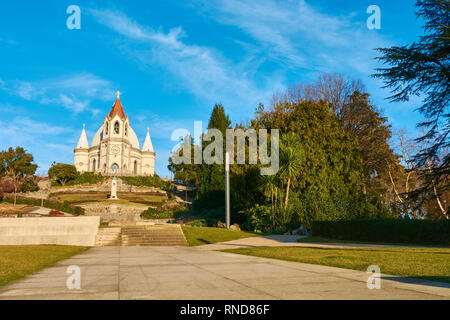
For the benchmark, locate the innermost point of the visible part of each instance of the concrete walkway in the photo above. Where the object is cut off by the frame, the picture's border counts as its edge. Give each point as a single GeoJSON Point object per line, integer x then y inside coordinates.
{"type": "Point", "coordinates": [195, 273]}
{"type": "Point", "coordinates": [289, 241]}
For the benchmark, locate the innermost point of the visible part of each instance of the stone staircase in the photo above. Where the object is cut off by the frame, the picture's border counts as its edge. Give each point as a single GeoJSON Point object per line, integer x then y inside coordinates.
{"type": "Point", "coordinates": [141, 235]}
{"type": "Point", "coordinates": [108, 237]}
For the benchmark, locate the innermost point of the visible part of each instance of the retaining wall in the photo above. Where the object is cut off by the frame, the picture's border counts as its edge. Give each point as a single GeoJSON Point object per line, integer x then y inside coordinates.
{"type": "Point", "coordinates": [76, 231]}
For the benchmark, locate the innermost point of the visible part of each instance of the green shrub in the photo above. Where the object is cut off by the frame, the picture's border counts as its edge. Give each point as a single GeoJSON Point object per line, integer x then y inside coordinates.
{"type": "Point", "coordinates": [149, 203]}
{"type": "Point", "coordinates": [385, 230]}
{"type": "Point", "coordinates": [209, 200]}
{"type": "Point", "coordinates": [88, 178]}
{"type": "Point", "coordinates": [261, 218]}
{"type": "Point", "coordinates": [152, 213]}
{"type": "Point", "coordinates": [29, 184]}
{"type": "Point", "coordinates": [198, 223]}
{"type": "Point", "coordinates": [159, 213]}
{"type": "Point", "coordinates": [314, 206]}
{"type": "Point", "coordinates": [147, 181]}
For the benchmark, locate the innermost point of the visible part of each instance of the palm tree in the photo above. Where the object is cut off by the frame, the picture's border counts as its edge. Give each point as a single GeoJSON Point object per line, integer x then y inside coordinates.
{"type": "Point", "coordinates": [292, 157]}
{"type": "Point", "coordinates": [269, 185]}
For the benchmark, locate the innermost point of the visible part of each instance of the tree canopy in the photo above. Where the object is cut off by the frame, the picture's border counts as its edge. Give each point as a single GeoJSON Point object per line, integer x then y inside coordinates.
{"type": "Point", "coordinates": [62, 173]}
{"type": "Point", "coordinates": [422, 69]}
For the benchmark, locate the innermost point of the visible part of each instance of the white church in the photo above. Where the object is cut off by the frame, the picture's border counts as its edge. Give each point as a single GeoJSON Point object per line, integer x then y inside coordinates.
{"type": "Point", "coordinates": [115, 148]}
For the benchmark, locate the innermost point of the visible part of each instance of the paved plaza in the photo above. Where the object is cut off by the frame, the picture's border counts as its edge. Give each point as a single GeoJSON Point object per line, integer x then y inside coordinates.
{"type": "Point", "coordinates": [196, 273]}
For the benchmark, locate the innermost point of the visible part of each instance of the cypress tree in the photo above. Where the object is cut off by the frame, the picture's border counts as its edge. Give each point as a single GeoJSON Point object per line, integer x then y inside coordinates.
{"type": "Point", "coordinates": [212, 185]}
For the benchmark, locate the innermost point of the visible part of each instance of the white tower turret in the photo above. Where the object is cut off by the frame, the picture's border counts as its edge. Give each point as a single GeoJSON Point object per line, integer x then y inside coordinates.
{"type": "Point", "coordinates": [148, 156]}
{"type": "Point", "coordinates": [81, 152]}
{"type": "Point", "coordinates": [148, 146]}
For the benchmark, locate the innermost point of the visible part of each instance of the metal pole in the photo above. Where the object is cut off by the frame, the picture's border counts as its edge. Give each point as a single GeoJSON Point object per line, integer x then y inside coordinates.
{"type": "Point", "coordinates": [227, 189]}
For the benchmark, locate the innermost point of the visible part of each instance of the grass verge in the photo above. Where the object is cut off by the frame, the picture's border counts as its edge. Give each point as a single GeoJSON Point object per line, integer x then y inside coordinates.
{"type": "Point", "coordinates": [420, 263]}
{"type": "Point", "coordinates": [19, 261]}
{"type": "Point", "coordinates": [109, 202]}
{"type": "Point", "coordinates": [313, 239]}
{"type": "Point", "coordinates": [197, 236]}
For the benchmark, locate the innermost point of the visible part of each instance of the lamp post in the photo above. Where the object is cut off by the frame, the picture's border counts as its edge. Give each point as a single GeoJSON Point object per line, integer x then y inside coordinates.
{"type": "Point", "coordinates": [227, 189]}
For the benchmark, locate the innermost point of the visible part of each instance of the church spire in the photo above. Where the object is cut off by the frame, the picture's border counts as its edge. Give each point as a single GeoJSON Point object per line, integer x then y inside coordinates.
{"type": "Point", "coordinates": [117, 108]}
{"type": "Point", "coordinates": [83, 142]}
{"type": "Point", "coordinates": [148, 146]}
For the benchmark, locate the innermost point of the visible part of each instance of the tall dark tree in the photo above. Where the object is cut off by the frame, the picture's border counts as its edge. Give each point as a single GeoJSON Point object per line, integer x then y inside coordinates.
{"type": "Point", "coordinates": [332, 161]}
{"type": "Point", "coordinates": [212, 184]}
{"type": "Point", "coordinates": [366, 123]}
{"type": "Point", "coordinates": [219, 120]}
{"type": "Point", "coordinates": [422, 69]}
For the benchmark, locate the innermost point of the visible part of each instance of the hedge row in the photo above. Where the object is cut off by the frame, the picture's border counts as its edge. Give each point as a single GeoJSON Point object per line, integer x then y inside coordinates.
{"type": "Point", "coordinates": [151, 213]}
{"type": "Point", "coordinates": [147, 181]}
{"type": "Point", "coordinates": [60, 206]}
{"type": "Point", "coordinates": [386, 230]}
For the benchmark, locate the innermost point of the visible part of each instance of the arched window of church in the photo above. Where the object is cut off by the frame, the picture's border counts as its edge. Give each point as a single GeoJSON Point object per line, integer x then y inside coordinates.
{"type": "Point", "coordinates": [116, 127]}
{"type": "Point", "coordinates": [107, 125]}
{"type": "Point", "coordinates": [126, 129]}
{"type": "Point", "coordinates": [135, 167]}
{"type": "Point", "coordinates": [115, 168]}
{"type": "Point", "coordinates": [93, 165]}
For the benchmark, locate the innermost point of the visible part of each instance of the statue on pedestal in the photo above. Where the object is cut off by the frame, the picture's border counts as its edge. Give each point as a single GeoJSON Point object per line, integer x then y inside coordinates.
{"type": "Point", "coordinates": [114, 189]}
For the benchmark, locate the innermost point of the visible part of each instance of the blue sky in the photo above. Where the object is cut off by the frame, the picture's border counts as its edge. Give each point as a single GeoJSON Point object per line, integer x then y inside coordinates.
{"type": "Point", "coordinates": [174, 60]}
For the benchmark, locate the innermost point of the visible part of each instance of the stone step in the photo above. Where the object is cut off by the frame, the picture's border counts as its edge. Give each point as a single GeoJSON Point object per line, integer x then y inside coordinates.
{"type": "Point", "coordinates": [159, 233]}
{"type": "Point", "coordinates": [111, 243]}
{"type": "Point", "coordinates": [154, 245]}
{"type": "Point", "coordinates": [151, 242]}
{"type": "Point", "coordinates": [153, 235]}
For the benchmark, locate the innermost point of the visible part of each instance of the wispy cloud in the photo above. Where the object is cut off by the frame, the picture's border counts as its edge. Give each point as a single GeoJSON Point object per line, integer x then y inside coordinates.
{"type": "Point", "coordinates": [161, 127]}
{"type": "Point", "coordinates": [74, 93]}
{"type": "Point", "coordinates": [47, 142]}
{"type": "Point", "coordinates": [201, 70]}
{"type": "Point", "coordinates": [300, 36]}
{"type": "Point", "coordinates": [26, 129]}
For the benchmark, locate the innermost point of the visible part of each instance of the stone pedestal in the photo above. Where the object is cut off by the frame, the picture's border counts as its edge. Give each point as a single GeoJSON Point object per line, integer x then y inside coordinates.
{"type": "Point", "coordinates": [114, 189]}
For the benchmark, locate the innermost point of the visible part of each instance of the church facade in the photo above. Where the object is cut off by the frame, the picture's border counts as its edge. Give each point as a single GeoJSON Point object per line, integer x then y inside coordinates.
{"type": "Point", "coordinates": [115, 148]}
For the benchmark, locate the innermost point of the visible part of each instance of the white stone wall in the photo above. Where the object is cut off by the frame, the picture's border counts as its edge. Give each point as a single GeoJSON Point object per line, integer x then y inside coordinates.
{"type": "Point", "coordinates": [75, 231]}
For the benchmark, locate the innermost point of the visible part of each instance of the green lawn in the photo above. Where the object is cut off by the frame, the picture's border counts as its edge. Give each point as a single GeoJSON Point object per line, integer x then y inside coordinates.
{"type": "Point", "coordinates": [424, 263]}
{"type": "Point", "coordinates": [19, 261]}
{"type": "Point", "coordinates": [143, 197]}
{"type": "Point", "coordinates": [109, 202]}
{"type": "Point", "coordinates": [197, 236]}
{"type": "Point", "coordinates": [313, 239]}
{"type": "Point", "coordinates": [82, 197]}
{"type": "Point", "coordinates": [95, 197]}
